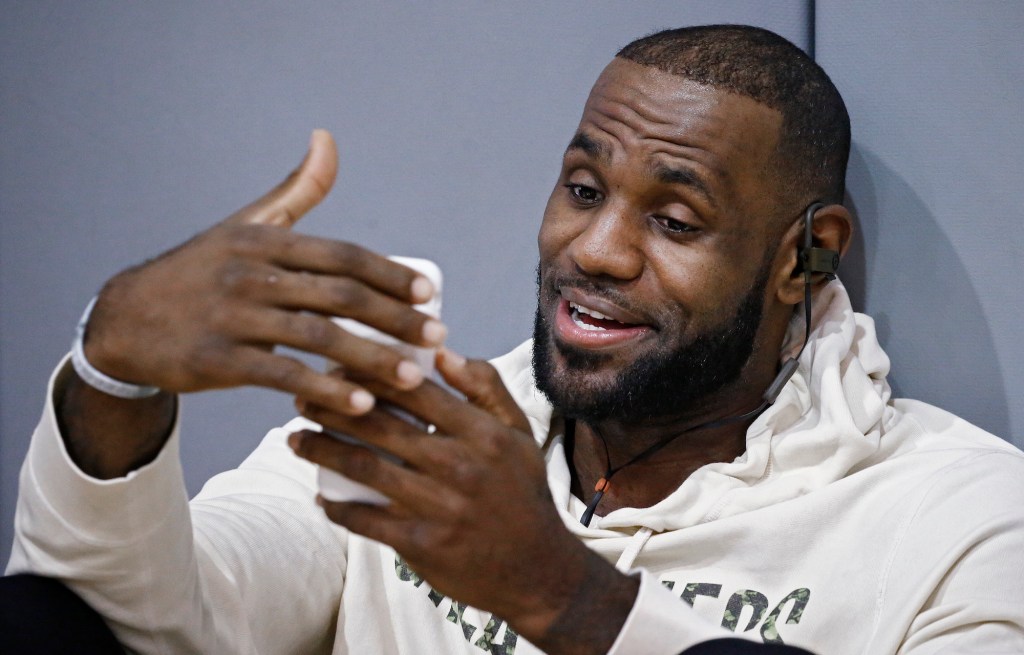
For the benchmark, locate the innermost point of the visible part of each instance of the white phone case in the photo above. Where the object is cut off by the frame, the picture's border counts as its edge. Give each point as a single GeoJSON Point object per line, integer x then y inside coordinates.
{"type": "Point", "coordinates": [333, 485]}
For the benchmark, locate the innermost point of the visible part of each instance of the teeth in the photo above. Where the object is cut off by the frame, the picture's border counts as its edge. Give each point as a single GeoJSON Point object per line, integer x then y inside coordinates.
{"type": "Point", "coordinates": [585, 326]}
{"type": "Point", "coordinates": [589, 312]}
{"type": "Point", "coordinates": [576, 310]}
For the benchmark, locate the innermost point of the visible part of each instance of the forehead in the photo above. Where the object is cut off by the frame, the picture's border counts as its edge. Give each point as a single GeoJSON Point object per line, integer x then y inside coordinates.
{"type": "Point", "coordinates": [640, 111]}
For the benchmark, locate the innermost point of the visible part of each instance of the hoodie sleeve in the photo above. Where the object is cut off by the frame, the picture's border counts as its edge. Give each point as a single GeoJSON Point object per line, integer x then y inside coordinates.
{"type": "Point", "coordinates": [251, 566]}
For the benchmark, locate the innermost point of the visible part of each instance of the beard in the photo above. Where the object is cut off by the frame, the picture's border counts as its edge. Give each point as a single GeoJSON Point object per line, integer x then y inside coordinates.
{"type": "Point", "coordinates": [656, 384]}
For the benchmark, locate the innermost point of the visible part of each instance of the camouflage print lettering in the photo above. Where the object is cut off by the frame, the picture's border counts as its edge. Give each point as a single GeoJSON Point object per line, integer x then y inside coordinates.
{"type": "Point", "coordinates": [456, 612]}
{"type": "Point", "coordinates": [455, 616]}
{"type": "Point", "coordinates": [435, 597]}
{"type": "Point", "coordinates": [408, 575]}
{"type": "Point", "coordinates": [405, 573]}
{"type": "Point", "coordinates": [669, 584]}
{"type": "Point", "coordinates": [769, 632]}
{"type": "Point", "coordinates": [486, 641]}
{"type": "Point", "coordinates": [739, 600]}
{"type": "Point", "coordinates": [694, 589]}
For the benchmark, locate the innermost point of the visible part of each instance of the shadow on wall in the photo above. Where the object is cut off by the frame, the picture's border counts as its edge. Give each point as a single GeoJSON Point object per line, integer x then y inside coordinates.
{"type": "Point", "coordinates": [902, 270]}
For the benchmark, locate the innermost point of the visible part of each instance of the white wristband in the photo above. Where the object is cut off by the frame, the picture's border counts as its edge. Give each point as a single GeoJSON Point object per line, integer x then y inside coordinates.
{"type": "Point", "coordinates": [97, 379]}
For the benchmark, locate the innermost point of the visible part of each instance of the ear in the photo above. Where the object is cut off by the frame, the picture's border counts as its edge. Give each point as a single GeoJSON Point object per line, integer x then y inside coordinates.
{"type": "Point", "coordinates": [831, 229]}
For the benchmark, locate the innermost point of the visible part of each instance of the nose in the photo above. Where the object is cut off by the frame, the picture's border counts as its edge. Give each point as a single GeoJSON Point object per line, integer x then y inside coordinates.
{"type": "Point", "coordinates": [609, 246]}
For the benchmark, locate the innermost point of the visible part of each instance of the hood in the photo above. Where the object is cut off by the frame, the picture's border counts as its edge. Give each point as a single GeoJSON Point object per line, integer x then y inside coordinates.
{"type": "Point", "coordinates": [830, 417]}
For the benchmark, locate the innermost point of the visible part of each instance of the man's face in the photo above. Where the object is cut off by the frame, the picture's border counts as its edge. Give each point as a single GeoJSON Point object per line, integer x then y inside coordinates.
{"type": "Point", "coordinates": [656, 247]}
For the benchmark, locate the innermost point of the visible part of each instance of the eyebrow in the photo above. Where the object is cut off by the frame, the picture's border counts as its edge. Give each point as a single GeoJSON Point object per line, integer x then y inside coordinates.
{"type": "Point", "coordinates": [589, 146]}
{"type": "Point", "coordinates": [683, 176]}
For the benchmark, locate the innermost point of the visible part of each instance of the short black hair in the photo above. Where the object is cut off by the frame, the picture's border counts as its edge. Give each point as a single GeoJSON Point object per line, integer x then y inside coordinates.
{"type": "Point", "coordinates": [814, 144]}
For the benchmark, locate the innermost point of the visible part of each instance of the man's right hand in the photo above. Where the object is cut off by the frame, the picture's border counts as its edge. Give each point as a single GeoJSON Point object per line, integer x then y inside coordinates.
{"type": "Point", "coordinates": [209, 313]}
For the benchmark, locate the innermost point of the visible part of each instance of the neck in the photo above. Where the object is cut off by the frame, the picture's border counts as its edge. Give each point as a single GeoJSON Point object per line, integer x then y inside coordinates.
{"type": "Point", "coordinates": [648, 460]}
{"type": "Point", "coordinates": [698, 435]}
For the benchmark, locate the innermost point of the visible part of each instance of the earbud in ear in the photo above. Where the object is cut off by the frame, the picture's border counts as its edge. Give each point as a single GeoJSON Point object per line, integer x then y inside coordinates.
{"type": "Point", "coordinates": [816, 260]}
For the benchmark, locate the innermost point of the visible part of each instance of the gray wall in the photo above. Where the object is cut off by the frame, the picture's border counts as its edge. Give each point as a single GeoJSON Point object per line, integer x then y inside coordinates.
{"type": "Point", "coordinates": [936, 96]}
{"type": "Point", "coordinates": [125, 128]}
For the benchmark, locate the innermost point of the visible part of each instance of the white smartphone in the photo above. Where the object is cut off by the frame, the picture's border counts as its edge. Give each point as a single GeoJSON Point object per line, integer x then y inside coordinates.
{"type": "Point", "coordinates": [333, 485]}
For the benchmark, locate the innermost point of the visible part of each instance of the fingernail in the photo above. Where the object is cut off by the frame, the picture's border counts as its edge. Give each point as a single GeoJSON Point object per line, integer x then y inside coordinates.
{"type": "Point", "coordinates": [313, 135]}
{"type": "Point", "coordinates": [434, 332]}
{"type": "Point", "coordinates": [361, 401]}
{"type": "Point", "coordinates": [409, 373]}
{"type": "Point", "coordinates": [422, 290]}
{"type": "Point", "coordinates": [454, 358]}
{"type": "Point", "coordinates": [294, 439]}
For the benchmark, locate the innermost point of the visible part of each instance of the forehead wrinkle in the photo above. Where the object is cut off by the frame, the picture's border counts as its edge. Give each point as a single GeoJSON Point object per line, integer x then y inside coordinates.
{"type": "Point", "coordinates": [674, 105]}
{"type": "Point", "coordinates": [595, 136]}
{"type": "Point", "coordinates": [680, 171]}
{"type": "Point", "coordinates": [634, 110]}
{"type": "Point", "coordinates": [677, 135]}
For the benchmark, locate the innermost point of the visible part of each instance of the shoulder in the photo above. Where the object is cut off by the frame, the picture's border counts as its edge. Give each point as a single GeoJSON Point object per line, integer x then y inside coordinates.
{"type": "Point", "coordinates": [945, 476]}
{"type": "Point", "coordinates": [963, 474]}
{"type": "Point", "coordinates": [927, 429]}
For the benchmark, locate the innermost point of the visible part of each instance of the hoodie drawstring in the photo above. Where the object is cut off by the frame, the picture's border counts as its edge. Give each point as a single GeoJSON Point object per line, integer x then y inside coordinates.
{"type": "Point", "coordinates": [633, 548]}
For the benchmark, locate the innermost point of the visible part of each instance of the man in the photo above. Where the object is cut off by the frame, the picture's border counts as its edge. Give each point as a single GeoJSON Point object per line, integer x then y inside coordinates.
{"type": "Point", "coordinates": [616, 485]}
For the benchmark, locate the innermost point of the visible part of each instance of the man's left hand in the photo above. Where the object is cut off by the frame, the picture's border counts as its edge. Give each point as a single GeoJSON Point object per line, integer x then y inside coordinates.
{"type": "Point", "coordinates": [470, 510]}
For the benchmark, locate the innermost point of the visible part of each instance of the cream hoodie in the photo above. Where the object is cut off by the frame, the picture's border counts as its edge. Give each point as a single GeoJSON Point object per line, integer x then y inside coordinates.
{"type": "Point", "coordinates": [852, 524]}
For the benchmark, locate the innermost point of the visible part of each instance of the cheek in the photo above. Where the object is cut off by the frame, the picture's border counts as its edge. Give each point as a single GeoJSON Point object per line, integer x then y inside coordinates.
{"type": "Point", "coordinates": [692, 286]}
{"type": "Point", "coordinates": [544, 235]}
{"type": "Point", "coordinates": [557, 230]}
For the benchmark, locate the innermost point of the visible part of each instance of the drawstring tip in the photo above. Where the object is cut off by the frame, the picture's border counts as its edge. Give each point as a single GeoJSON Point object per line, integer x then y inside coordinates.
{"type": "Point", "coordinates": [592, 507]}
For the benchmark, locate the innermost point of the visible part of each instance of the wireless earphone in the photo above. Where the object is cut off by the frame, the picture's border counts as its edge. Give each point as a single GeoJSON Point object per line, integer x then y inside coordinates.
{"type": "Point", "coordinates": [812, 260]}
{"type": "Point", "coordinates": [816, 260]}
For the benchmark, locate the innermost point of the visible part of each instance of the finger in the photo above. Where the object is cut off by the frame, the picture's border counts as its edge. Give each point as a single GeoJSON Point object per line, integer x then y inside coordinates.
{"type": "Point", "coordinates": [351, 298]}
{"type": "Point", "coordinates": [433, 404]}
{"type": "Point", "coordinates": [482, 386]}
{"type": "Point", "coordinates": [434, 453]}
{"type": "Point", "coordinates": [402, 485]}
{"type": "Point", "coordinates": [338, 258]}
{"type": "Point", "coordinates": [255, 366]}
{"type": "Point", "coordinates": [302, 190]}
{"type": "Point", "coordinates": [377, 427]}
{"type": "Point", "coordinates": [487, 395]}
{"type": "Point", "coordinates": [320, 336]}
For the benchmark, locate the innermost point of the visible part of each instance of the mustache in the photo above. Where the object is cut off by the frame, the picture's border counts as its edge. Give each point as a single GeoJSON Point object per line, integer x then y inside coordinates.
{"type": "Point", "coordinates": [590, 286]}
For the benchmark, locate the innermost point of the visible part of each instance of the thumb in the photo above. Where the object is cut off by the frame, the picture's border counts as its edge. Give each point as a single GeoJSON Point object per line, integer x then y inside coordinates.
{"type": "Point", "coordinates": [482, 386]}
{"type": "Point", "coordinates": [302, 190]}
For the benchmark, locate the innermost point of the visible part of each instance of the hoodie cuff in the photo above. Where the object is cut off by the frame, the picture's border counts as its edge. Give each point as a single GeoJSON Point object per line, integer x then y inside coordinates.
{"type": "Point", "coordinates": [660, 623]}
{"type": "Point", "coordinates": [113, 511]}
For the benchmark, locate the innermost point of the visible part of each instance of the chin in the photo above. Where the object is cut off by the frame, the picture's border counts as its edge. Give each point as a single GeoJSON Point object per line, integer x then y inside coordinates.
{"type": "Point", "coordinates": [657, 381]}
{"type": "Point", "coordinates": [590, 385]}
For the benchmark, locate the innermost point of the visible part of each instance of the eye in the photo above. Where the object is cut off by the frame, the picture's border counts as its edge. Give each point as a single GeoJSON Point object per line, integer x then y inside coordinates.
{"type": "Point", "coordinates": [584, 194]}
{"type": "Point", "coordinates": [673, 226]}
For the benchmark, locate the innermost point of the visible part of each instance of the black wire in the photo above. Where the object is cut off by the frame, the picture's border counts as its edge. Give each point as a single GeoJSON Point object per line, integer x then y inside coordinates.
{"type": "Point", "coordinates": [650, 450]}
{"type": "Point", "coordinates": [570, 428]}
{"type": "Point", "coordinates": [769, 397]}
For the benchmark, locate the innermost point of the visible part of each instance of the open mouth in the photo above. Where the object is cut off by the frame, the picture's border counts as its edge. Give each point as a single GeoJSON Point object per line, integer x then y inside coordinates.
{"type": "Point", "coordinates": [581, 326]}
{"type": "Point", "coordinates": [591, 319]}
